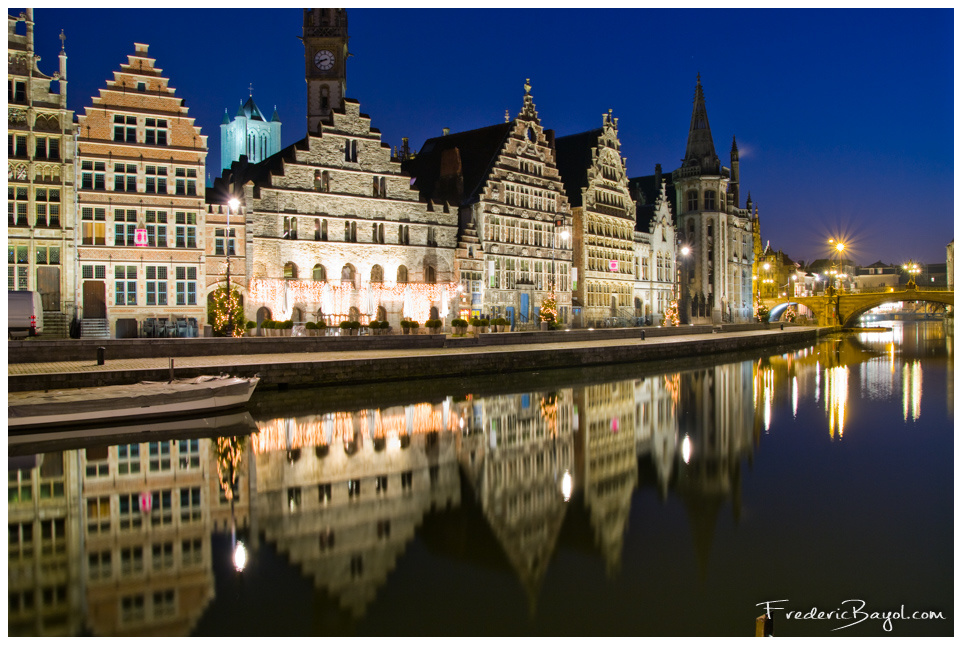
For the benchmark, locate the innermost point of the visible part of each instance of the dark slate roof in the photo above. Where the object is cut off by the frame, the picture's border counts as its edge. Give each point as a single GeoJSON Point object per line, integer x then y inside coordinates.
{"type": "Point", "coordinates": [644, 190]}
{"type": "Point", "coordinates": [573, 157]}
{"type": "Point", "coordinates": [242, 172]}
{"type": "Point", "coordinates": [478, 150]}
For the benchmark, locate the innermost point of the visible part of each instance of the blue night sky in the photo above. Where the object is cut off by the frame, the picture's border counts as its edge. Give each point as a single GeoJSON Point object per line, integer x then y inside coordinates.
{"type": "Point", "coordinates": [844, 118]}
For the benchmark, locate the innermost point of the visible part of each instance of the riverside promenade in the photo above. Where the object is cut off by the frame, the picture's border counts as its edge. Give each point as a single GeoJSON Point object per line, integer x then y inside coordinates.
{"type": "Point", "coordinates": [279, 363]}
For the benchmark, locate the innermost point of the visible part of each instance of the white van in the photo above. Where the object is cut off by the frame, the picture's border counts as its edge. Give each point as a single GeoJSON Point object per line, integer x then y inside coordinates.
{"type": "Point", "coordinates": [24, 314]}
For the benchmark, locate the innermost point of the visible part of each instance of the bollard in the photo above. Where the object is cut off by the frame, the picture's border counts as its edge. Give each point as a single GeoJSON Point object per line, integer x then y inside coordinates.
{"type": "Point", "coordinates": [765, 625]}
{"type": "Point", "coordinates": [171, 369]}
{"type": "Point", "coordinates": [101, 355]}
{"type": "Point", "coordinates": [782, 327]}
{"type": "Point", "coordinates": [642, 334]}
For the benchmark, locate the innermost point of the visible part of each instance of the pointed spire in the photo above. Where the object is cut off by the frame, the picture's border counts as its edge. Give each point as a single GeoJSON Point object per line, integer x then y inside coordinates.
{"type": "Point", "coordinates": [734, 146]}
{"type": "Point", "coordinates": [225, 120]}
{"type": "Point", "coordinates": [63, 40]}
{"type": "Point", "coordinates": [276, 117]}
{"type": "Point", "coordinates": [700, 150]}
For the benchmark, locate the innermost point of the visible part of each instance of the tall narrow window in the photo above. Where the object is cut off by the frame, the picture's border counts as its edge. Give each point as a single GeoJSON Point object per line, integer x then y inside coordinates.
{"type": "Point", "coordinates": [693, 200]}
{"type": "Point", "coordinates": [709, 200]}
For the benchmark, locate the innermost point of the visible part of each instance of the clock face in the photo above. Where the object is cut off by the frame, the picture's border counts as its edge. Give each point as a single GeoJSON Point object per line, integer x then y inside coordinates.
{"type": "Point", "coordinates": [324, 60]}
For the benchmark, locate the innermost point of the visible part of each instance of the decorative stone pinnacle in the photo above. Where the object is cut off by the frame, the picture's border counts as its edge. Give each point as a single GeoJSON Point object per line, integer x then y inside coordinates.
{"type": "Point", "coordinates": [63, 39]}
{"type": "Point", "coordinates": [507, 117]}
{"type": "Point", "coordinates": [527, 86]}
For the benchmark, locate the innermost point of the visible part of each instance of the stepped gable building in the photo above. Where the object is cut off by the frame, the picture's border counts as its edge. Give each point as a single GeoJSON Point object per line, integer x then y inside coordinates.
{"type": "Point", "coordinates": [603, 223]}
{"type": "Point", "coordinates": [40, 177]}
{"type": "Point", "coordinates": [333, 229]}
{"type": "Point", "coordinates": [140, 202]}
{"type": "Point", "coordinates": [512, 208]}
{"type": "Point", "coordinates": [250, 134]}
{"type": "Point", "coordinates": [717, 275]}
{"type": "Point", "coordinates": [656, 246]}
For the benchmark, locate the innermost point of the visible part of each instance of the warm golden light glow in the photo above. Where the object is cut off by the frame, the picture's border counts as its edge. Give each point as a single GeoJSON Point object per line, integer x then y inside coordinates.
{"type": "Point", "coordinates": [240, 556]}
{"type": "Point", "coordinates": [912, 390]}
{"type": "Point", "coordinates": [836, 397]}
{"type": "Point", "coordinates": [686, 449]}
{"type": "Point", "coordinates": [566, 485]}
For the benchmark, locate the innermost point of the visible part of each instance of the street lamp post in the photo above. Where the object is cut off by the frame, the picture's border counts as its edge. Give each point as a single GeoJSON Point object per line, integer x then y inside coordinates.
{"type": "Point", "coordinates": [232, 204]}
{"type": "Point", "coordinates": [682, 285]}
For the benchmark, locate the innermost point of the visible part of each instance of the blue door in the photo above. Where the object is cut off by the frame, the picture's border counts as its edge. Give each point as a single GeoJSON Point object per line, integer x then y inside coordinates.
{"type": "Point", "coordinates": [523, 314]}
{"type": "Point", "coordinates": [510, 316]}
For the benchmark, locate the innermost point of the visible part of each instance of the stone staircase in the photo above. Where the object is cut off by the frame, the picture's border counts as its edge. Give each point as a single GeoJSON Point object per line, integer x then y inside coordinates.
{"type": "Point", "coordinates": [55, 325]}
{"type": "Point", "coordinates": [94, 328]}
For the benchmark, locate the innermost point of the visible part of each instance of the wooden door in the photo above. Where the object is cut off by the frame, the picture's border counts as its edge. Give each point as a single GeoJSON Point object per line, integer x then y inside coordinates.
{"type": "Point", "coordinates": [95, 299]}
{"type": "Point", "coordinates": [48, 284]}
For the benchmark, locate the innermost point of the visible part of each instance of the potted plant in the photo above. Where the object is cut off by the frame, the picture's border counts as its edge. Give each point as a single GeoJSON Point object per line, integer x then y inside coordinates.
{"type": "Point", "coordinates": [267, 325]}
{"type": "Point", "coordinates": [458, 326]}
{"type": "Point", "coordinates": [484, 322]}
{"type": "Point", "coordinates": [311, 328]}
{"type": "Point", "coordinates": [385, 328]}
{"type": "Point", "coordinates": [251, 326]}
{"type": "Point", "coordinates": [374, 326]}
{"type": "Point", "coordinates": [406, 326]}
{"type": "Point", "coordinates": [322, 328]}
{"type": "Point", "coordinates": [414, 326]}
{"type": "Point", "coordinates": [345, 325]}
{"type": "Point", "coordinates": [433, 325]}
{"type": "Point", "coordinates": [501, 323]}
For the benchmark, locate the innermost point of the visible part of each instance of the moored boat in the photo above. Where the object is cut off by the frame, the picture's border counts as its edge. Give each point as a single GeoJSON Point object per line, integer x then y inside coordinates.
{"type": "Point", "coordinates": [119, 403]}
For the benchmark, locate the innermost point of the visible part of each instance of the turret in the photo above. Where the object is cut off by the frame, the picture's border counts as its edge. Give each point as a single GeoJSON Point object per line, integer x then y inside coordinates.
{"type": "Point", "coordinates": [733, 184]}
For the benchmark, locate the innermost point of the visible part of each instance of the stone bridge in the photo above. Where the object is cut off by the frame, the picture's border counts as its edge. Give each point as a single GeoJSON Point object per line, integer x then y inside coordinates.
{"type": "Point", "coordinates": [844, 309]}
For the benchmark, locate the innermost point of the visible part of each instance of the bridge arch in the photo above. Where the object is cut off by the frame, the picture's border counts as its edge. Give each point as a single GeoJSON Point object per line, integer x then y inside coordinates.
{"type": "Point", "coordinates": [851, 314]}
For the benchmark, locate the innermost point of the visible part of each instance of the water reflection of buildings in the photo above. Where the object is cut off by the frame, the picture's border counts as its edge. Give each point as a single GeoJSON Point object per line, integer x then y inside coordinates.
{"type": "Point", "coordinates": [519, 458]}
{"type": "Point", "coordinates": [121, 531]}
{"type": "Point", "coordinates": [342, 494]}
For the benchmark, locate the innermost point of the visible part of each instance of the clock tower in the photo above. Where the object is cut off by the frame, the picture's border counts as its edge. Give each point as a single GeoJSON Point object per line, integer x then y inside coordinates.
{"type": "Point", "coordinates": [325, 57]}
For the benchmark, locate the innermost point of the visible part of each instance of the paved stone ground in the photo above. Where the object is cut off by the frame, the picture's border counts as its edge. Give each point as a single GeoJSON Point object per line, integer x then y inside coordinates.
{"type": "Point", "coordinates": [61, 367]}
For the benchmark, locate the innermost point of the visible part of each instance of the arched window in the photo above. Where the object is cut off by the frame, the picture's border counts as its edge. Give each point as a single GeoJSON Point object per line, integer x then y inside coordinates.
{"type": "Point", "coordinates": [290, 271]}
{"type": "Point", "coordinates": [319, 273]}
{"type": "Point", "coordinates": [324, 230]}
{"type": "Point", "coordinates": [430, 276]}
{"type": "Point", "coordinates": [297, 315]}
{"type": "Point", "coordinates": [377, 273]}
{"type": "Point", "coordinates": [317, 229]}
{"type": "Point", "coordinates": [350, 231]}
{"type": "Point", "coordinates": [693, 200]}
{"type": "Point", "coordinates": [402, 274]}
{"type": "Point", "coordinates": [434, 315]}
{"type": "Point", "coordinates": [709, 200]}
{"type": "Point", "coordinates": [354, 314]}
{"type": "Point", "coordinates": [381, 314]}
{"type": "Point", "coordinates": [263, 314]}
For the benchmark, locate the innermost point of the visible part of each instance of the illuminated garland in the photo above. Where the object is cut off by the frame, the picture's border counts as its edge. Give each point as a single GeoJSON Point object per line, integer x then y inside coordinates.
{"type": "Point", "coordinates": [335, 299]}
{"type": "Point", "coordinates": [284, 434]}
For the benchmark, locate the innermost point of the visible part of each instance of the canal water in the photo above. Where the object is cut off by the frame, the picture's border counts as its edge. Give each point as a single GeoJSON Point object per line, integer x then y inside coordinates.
{"type": "Point", "coordinates": [641, 500]}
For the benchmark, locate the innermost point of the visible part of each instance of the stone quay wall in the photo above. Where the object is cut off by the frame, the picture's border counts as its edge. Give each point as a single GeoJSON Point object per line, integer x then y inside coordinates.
{"type": "Point", "coordinates": [372, 368]}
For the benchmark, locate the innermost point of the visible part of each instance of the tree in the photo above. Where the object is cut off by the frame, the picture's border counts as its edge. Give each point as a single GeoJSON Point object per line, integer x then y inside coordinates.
{"type": "Point", "coordinates": [549, 308]}
{"type": "Point", "coordinates": [217, 313]}
{"type": "Point", "coordinates": [671, 313]}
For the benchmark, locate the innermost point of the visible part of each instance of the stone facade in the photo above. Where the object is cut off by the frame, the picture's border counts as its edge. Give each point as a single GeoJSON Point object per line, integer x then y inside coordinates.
{"type": "Point", "coordinates": [140, 202]}
{"type": "Point", "coordinates": [250, 134]}
{"type": "Point", "coordinates": [717, 276]}
{"type": "Point", "coordinates": [603, 215]}
{"type": "Point", "coordinates": [334, 231]}
{"type": "Point", "coordinates": [504, 181]}
{"type": "Point", "coordinates": [40, 176]}
{"type": "Point", "coordinates": [655, 246]}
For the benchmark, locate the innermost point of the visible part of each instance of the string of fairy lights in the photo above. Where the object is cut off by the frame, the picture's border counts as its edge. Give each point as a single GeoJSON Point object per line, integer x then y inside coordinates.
{"type": "Point", "coordinates": [337, 298]}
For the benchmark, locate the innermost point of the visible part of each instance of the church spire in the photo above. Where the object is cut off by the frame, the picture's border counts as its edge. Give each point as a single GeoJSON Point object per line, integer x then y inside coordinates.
{"type": "Point", "coordinates": [701, 149]}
